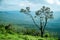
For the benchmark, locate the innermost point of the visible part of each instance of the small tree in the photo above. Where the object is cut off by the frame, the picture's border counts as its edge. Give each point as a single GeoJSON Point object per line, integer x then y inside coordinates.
{"type": "Point", "coordinates": [44, 14]}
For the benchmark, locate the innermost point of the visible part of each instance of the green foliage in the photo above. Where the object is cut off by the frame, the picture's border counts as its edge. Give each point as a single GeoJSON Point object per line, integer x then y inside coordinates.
{"type": "Point", "coordinates": [26, 11]}
{"type": "Point", "coordinates": [45, 11]}
{"type": "Point", "coordinates": [6, 29]}
{"type": "Point", "coordinates": [22, 10]}
{"type": "Point", "coordinates": [26, 38]}
{"type": "Point", "coordinates": [40, 39]}
{"type": "Point", "coordinates": [58, 38]}
{"type": "Point", "coordinates": [46, 35]}
{"type": "Point", "coordinates": [2, 29]}
{"type": "Point", "coordinates": [30, 34]}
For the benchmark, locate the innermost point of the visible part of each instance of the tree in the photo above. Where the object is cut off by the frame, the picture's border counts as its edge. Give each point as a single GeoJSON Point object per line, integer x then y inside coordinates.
{"type": "Point", "coordinates": [44, 14]}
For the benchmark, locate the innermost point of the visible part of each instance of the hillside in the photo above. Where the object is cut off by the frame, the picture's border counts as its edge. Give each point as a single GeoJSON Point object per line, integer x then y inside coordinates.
{"type": "Point", "coordinates": [23, 37]}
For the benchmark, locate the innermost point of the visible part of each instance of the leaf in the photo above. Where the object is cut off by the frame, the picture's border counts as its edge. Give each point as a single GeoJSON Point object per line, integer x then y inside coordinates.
{"type": "Point", "coordinates": [22, 10]}
{"type": "Point", "coordinates": [28, 9]}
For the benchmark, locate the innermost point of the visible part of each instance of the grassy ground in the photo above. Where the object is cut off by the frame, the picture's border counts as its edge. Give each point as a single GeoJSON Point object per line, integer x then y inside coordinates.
{"type": "Point", "coordinates": [22, 37]}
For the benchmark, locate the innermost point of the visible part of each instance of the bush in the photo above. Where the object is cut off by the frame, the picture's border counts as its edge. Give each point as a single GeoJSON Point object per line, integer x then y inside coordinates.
{"type": "Point", "coordinates": [2, 29]}
{"type": "Point", "coordinates": [26, 38]}
{"type": "Point", "coordinates": [58, 38]}
{"type": "Point", "coordinates": [40, 39]}
{"type": "Point", "coordinates": [46, 35]}
{"type": "Point", "coordinates": [31, 32]}
{"type": "Point", "coordinates": [6, 29]}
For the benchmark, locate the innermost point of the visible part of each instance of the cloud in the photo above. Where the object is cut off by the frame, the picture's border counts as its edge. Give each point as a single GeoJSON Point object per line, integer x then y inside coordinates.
{"type": "Point", "coordinates": [13, 5]}
{"type": "Point", "coordinates": [18, 4]}
{"type": "Point", "coordinates": [50, 1]}
{"type": "Point", "coordinates": [37, 1]}
{"type": "Point", "coordinates": [58, 2]}
{"type": "Point", "coordinates": [54, 2]}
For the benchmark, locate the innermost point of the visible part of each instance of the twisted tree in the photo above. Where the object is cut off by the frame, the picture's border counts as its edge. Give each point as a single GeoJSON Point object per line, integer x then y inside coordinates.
{"type": "Point", "coordinates": [44, 14]}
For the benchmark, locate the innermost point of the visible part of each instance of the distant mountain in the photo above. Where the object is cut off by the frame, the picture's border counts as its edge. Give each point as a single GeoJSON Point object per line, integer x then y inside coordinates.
{"type": "Point", "coordinates": [16, 17]}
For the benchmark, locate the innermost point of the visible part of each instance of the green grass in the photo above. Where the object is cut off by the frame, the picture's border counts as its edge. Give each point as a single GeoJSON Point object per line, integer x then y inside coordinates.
{"type": "Point", "coordinates": [23, 37]}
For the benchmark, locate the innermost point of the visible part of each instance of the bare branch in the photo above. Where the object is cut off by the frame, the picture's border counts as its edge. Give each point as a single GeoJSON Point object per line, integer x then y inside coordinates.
{"type": "Point", "coordinates": [33, 20]}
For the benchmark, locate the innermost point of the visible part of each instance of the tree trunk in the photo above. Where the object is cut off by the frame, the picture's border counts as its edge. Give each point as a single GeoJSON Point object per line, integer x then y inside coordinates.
{"type": "Point", "coordinates": [42, 32]}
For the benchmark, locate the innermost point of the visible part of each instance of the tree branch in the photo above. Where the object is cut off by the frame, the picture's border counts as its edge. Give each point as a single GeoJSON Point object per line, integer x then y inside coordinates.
{"type": "Point", "coordinates": [33, 20]}
{"type": "Point", "coordinates": [45, 24]}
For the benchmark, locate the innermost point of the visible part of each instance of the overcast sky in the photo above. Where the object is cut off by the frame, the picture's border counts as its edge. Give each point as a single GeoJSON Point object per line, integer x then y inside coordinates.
{"type": "Point", "coordinates": [16, 5]}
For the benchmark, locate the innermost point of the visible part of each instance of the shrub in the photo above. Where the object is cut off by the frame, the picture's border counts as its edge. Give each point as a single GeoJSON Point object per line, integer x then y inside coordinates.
{"type": "Point", "coordinates": [46, 35]}
{"type": "Point", "coordinates": [2, 29]}
{"type": "Point", "coordinates": [31, 32]}
{"type": "Point", "coordinates": [40, 39]}
{"type": "Point", "coordinates": [58, 38]}
{"type": "Point", "coordinates": [26, 38]}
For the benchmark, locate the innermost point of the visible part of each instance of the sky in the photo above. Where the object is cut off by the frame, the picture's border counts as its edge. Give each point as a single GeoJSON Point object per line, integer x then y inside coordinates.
{"type": "Point", "coordinates": [16, 5]}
